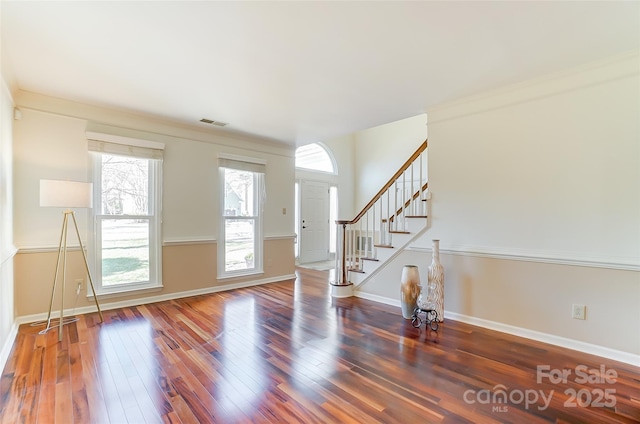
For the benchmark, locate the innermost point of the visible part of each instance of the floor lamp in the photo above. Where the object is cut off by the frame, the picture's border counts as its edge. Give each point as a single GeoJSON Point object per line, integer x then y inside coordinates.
{"type": "Point", "coordinates": [66, 194]}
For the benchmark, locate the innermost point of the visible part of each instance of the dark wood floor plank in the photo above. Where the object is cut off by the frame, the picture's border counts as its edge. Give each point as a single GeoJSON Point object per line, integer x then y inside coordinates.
{"type": "Point", "coordinates": [288, 352]}
{"type": "Point", "coordinates": [182, 410]}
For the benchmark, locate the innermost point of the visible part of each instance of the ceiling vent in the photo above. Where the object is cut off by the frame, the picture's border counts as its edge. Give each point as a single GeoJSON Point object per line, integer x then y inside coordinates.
{"type": "Point", "coordinates": [211, 122]}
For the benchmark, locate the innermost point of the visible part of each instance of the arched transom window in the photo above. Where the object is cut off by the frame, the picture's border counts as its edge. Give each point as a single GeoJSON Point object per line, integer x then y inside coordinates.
{"type": "Point", "coordinates": [314, 157]}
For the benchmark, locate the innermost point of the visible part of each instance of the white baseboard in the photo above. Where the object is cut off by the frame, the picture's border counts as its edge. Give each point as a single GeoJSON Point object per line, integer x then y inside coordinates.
{"type": "Point", "coordinates": [605, 352]}
{"type": "Point", "coordinates": [153, 299]}
{"type": "Point", "coordinates": [376, 298]}
{"type": "Point", "coordinates": [8, 344]}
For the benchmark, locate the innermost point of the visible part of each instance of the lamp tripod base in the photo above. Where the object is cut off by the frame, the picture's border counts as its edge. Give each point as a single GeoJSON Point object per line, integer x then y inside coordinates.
{"type": "Point", "coordinates": [54, 322]}
{"type": "Point", "coordinates": [62, 255]}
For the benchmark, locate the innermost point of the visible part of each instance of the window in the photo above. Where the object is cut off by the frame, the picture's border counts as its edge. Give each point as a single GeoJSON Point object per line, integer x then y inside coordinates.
{"type": "Point", "coordinates": [315, 162]}
{"type": "Point", "coordinates": [242, 189]}
{"type": "Point", "coordinates": [126, 217]}
{"type": "Point", "coordinates": [333, 216]}
{"type": "Point", "coordinates": [296, 246]}
{"type": "Point", "coordinates": [314, 157]}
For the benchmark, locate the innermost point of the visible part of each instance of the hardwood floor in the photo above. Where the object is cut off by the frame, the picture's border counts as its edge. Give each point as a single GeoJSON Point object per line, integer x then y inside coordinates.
{"type": "Point", "coordinates": [288, 352]}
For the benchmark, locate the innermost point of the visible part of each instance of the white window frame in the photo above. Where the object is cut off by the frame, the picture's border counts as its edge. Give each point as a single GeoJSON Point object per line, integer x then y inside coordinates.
{"type": "Point", "coordinates": [323, 151]}
{"type": "Point", "coordinates": [141, 149]}
{"type": "Point", "coordinates": [258, 167]}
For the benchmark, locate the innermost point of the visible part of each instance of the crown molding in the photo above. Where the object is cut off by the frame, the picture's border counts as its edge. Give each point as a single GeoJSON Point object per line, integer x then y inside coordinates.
{"type": "Point", "coordinates": [158, 126]}
{"type": "Point", "coordinates": [613, 68]}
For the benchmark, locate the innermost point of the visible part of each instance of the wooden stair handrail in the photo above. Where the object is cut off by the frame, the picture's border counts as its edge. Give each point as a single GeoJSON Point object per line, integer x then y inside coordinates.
{"type": "Point", "coordinates": [408, 202]}
{"type": "Point", "coordinates": [384, 188]}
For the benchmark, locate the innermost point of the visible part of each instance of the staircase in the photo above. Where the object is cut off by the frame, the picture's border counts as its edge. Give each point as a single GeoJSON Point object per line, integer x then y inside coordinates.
{"type": "Point", "coordinates": [394, 217]}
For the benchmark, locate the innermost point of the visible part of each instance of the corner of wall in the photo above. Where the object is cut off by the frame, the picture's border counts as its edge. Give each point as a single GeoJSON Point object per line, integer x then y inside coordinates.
{"type": "Point", "coordinates": [7, 345]}
{"type": "Point", "coordinates": [8, 326]}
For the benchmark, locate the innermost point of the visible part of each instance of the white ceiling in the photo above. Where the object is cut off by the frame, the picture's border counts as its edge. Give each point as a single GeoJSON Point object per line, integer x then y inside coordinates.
{"type": "Point", "coordinates": [298, 72]}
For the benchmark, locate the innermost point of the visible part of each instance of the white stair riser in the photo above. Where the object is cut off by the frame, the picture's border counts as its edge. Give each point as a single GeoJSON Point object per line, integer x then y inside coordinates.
{"type": "Point", "coordinates": [383, 254]}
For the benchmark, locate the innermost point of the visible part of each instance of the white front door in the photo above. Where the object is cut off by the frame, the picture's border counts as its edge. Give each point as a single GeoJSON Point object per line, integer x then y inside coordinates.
{"type": "Point", "coordinates": [314, 221]}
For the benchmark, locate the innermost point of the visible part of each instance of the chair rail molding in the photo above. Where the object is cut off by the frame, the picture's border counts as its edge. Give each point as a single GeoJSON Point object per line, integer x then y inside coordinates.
{"type": "Point", "coordinates": [547, 257]}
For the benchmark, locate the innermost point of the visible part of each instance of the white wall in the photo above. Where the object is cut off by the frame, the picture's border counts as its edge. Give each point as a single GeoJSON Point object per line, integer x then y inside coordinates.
{"type": "Point", "coordinates": [50, 142]}
{"type": "Point", "coordinates": [342, 149]}
{"type": "Point", "coordinates": [381, 151]}
{"type": "Point", "coordinates": [536, 200]}
{"type": "Point", "coordinates": [7, 250]}
{"type": "Point", "coordinates": [550, 168]}
{"type": "Point", "coordinates": [367, 159]}
{"type": "Point", "coordinates": [47, 147]}
{"type": "Point", "coordinates": [54, 146]}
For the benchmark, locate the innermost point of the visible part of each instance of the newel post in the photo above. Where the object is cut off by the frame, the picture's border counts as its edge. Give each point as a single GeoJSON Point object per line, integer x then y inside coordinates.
{"type": "Point", "coordinates": [340, 285]}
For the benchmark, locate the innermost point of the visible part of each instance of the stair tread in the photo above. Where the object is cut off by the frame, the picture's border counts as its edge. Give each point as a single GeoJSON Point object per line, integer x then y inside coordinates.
{"type": "Point", "coordinates": [358, 270]}
{"type": "Point", "coordinates": [416, 216]}
{"type": "Point", "coordinates": [383, 245]}
{"type": "Point", "coordinates": [370, 259]}
{"type": "Point", "coordinates": [399, 232]}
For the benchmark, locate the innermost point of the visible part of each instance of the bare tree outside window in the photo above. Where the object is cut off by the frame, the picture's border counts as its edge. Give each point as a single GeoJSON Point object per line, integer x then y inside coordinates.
{"type": "Point", "coordinates": [240, 217]}
{"type": "Point", "coordinates": [125, 185]}
{"type": "Point", "coordinates": [125, 241]}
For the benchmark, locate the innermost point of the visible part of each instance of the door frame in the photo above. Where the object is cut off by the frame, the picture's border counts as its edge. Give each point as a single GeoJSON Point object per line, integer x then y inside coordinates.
{"type": "Point", "coordinates": [298, 217]}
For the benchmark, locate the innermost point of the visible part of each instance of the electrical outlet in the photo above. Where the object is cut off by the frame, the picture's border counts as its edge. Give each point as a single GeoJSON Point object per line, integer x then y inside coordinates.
{"type": "Point", "coordinates": [578, 312]}
{"type": "Point", "coordinates": [79, 283]}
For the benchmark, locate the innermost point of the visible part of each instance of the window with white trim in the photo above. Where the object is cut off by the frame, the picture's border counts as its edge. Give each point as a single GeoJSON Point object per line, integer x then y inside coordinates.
{"type": "Point", "coordinates": [126, 216]}
{"type": "Point", "coordinates": [243, 194]}
{"type": "Point", "coordinates": [315, 157]}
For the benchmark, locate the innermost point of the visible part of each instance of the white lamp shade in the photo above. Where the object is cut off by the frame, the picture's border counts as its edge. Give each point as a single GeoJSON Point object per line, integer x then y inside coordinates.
{"type": "Point", "coordinates": [66, 194]}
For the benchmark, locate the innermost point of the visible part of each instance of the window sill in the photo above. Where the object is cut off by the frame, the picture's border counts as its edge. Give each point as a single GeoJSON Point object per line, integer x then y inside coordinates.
{"type": "Point", "coordinates": [127, 292]}
{"type": "Point", "coordinates": [240, 275]}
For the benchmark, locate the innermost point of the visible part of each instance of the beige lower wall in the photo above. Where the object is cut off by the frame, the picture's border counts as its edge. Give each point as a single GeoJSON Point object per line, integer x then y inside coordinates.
{"type": "Point", "coordinates": [539, 297]}
{"type": "Point", "coordinates": [533, 296]}
{"type": "Point", "coordinates": [186, 267]}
